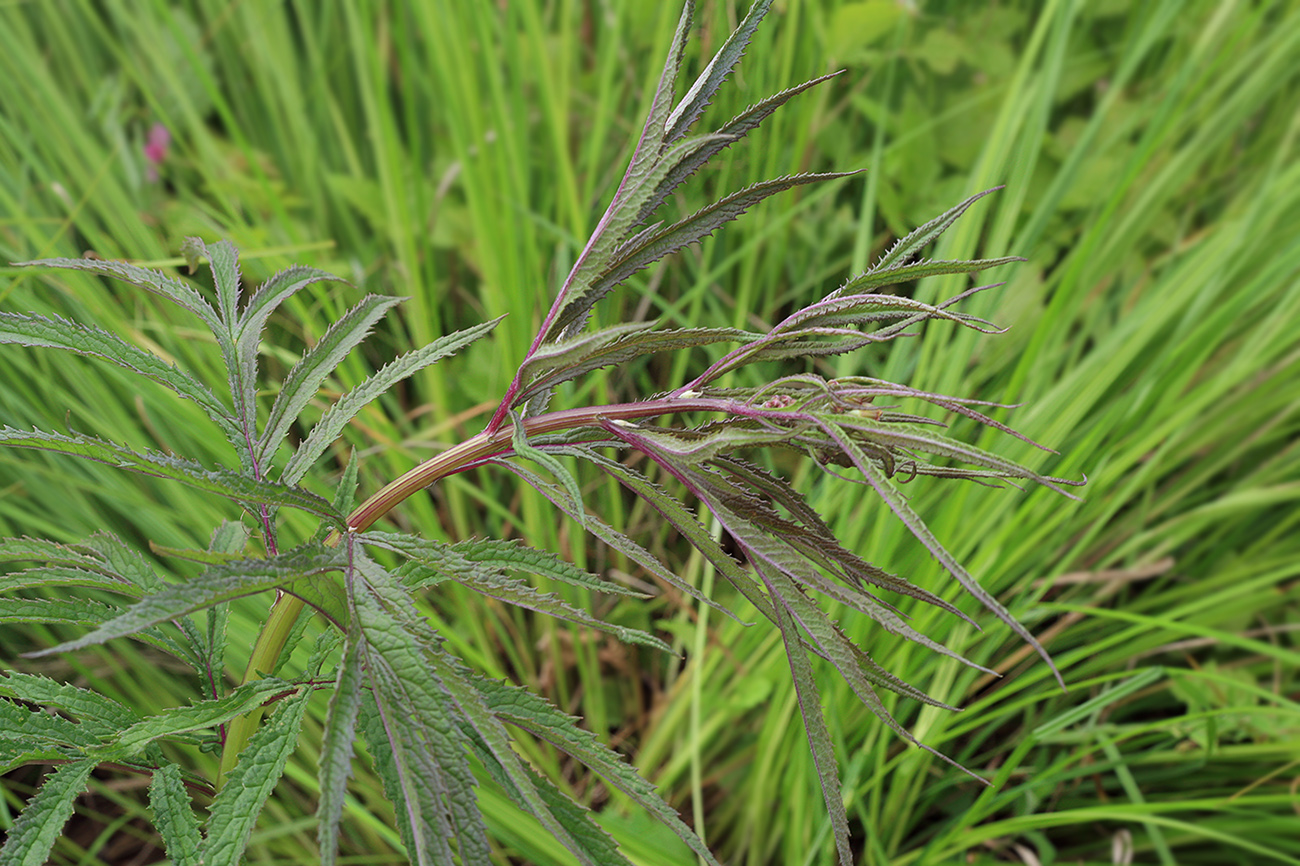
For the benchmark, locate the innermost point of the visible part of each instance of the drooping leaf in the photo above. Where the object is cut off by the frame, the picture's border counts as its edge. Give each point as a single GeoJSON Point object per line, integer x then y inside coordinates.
{"type": "Point", "coordinates": [233, 814]}
{"type": "Point", "coordinates": [331, 424]}
{"type": "Point", "coordinates": [824, 548]}
{"type": "Point", "coordinates": [52, 332]}
{"type": "Point", "coordinates": [575, 818]}
{"type": "Point", "coordinates": [898, 504]}
{"type": "Point", "coordinates": [173, 815]}
{"type": "Point", "coordinates": [427, 762]}
{"type": "Point", "coordinates": [612, 537]}
{"type": "Point", "coordinates": [232, 485]}
{"type": "Point", "coordinates": [819, 738]}
{"type": "Point", "coordinates": [336, 751]}
{"type": "Point", "coordinates": [532, 713]}
{"type": "Point", "coordinates": [562, 473]}
{"type": "Point", "coordinates": [32, 836]}
{"type": "Point", "coordinates": [491, 735]}
{"type": "Point", "coordinates": [217, 584]}
{"type": "Point", "coordinates": [684, 522]}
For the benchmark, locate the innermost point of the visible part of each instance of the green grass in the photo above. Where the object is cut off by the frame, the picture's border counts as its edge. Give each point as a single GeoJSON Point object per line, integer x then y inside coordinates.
{"type": "Point", "coordinates": [459, 154]}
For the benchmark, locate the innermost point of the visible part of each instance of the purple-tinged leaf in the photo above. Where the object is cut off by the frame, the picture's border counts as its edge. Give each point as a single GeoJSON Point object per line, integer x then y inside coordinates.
{"type": "Point", "coordinates": [710, 79]}
{"type": "Point", "coordinates": [910, 245]}
{"type": "Point", "coordinates": [731, 132]}
{"type": "Point", "coordinates": [898, 504]}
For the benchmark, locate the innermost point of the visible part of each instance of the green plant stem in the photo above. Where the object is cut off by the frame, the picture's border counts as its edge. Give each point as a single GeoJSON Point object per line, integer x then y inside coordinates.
{"type": "Point", "coordinates": [286, 609]}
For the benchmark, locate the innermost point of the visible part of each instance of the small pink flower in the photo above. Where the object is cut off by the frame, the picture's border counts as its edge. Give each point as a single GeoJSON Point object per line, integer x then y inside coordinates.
{"type": "Point", "coordinates": [155, 150]}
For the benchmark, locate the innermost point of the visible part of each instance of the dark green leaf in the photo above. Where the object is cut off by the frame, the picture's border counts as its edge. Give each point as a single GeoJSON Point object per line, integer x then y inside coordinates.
{"type": "Point", "coordinates": [234, 812]}
{"type": "Point", "coordinates": [173, 815]}
{"type": "Point", "coordinates": [217, 584]}
{"type": "Point", "coordinates": [532, 713]}
{"type": "Point", "coordinates": [232, 485]}
{"type": "Point", "coordinates": [336, 751]}
{"type": "Point", "coordinates": [33, 834]}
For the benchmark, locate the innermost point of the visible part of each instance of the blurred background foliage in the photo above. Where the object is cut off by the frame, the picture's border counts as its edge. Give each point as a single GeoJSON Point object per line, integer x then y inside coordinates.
{"type": "Point", "coordinates": [458, 153]}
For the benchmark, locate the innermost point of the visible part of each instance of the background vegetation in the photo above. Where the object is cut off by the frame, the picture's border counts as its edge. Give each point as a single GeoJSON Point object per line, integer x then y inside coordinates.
{"type": "Point", "coordinates": [459, 153]}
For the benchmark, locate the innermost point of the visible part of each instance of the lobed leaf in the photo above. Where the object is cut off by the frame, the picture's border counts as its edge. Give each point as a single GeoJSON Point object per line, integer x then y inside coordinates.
{"type": "Point", "coordinates": [649, 247]}
{"type": "Point", "coordinates": [223, 260]}
{"type": "Point", "coordinates": [898, 504]}
{"type": "Point", "coordinates": [336, 418]}
{"type": "Point", "coordinates": [511, 554]}
{"type": "Point", "coordinates": [819, 738]}
{"type": "Point", "coordinates": [14, 754]}
{"type": "Point", "coordinates": [32, 610]}
{"type": "Point", "coordinates": [95, 713]}
{"type": "Point", "coordinates": [251, 324]}
{"type": "Point", "coordinates": [612, 537]}
{"type": "Point", "coordinates": [177, 291]}
{"type": "Point", "coordinates": [692, 105]}
{"type": "Point", "coordinates": [491, 735]}
{"type": "Point", "coordinates": [911, 244]}
{"type": "Point", "coordinates": [684, 522]}
{"type": "Point", "coordinates": [522, 448]}
{"type": "Point", "coordinates": [316, 364]}
{"type": "Point", "coordinates": [726, 135]}
{"type": "Point", "coordinates": [903, 273]}
{"type": "Point", "coordinates": [434, 785]}
{"type": "Point", "coordinates": [63, 576]}
{"type": "Point", "coordinates": [579, 293]}
{"type": "Point", "coordinates": [576, 820]}
{"type": "Point", "coordinates": [646, 154]}
{"type": "Point", "coordinates": [38, 728]}
{"type": "Point", "coordinates": [198, 716]}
